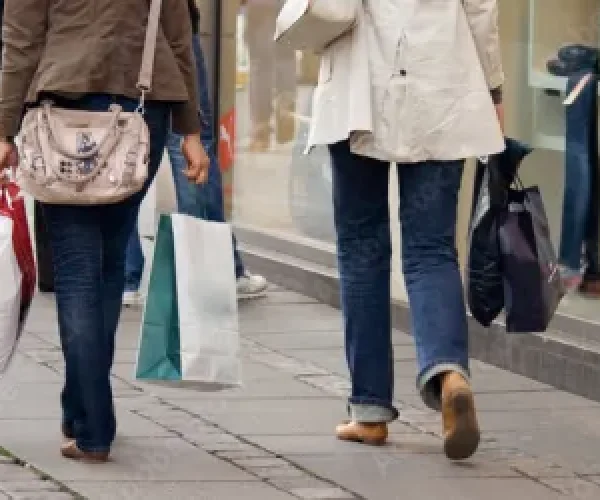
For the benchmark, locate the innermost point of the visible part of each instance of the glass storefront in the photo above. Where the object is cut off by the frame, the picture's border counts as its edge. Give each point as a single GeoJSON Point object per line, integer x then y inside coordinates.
{"type": "Point", "coordinates": [279, 190]}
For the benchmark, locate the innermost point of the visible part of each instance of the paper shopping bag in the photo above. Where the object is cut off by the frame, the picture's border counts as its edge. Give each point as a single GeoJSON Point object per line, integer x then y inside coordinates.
{"type": "Point", "coordinates": [158, 351]}
{"type": "Point", "coordinates": [17, 268]}
{"type": "Point", "coordinates": [190, 338]}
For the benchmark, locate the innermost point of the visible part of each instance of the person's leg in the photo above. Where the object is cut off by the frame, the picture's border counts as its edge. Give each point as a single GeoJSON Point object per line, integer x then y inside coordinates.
{"type": "Point", "coordinates": [580, 125]}
{"type": "Point", "coordinates": [428, 211]}
{"type": "Point", "coordinates": [134, 267]}
{"type": "Point", "coordinates": [361, 213]}
{"type": "Point", "coordinates": [591, 278]}
{"type": "Point", "coordinates": [215, 209]}
{"type": "Point", "coordinates": [76, 240]}
{"type": "Point", "coordinates": [89, 245]}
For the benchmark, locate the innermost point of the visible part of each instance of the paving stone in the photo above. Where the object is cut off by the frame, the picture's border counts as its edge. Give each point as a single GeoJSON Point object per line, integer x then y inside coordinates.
{"type": "Point", "coordinates": [272, 472]}
{"type": "Point", "coordinates": [284, 417]}
{"type": "Point", "coordinates": [208, 440]}
{"type": "Point", "coordinates": [326, 444]}
{"type": "Point", "coordinates": [539, 468]}
{"type": "Point", "coordinates": [249, 463]}
{"type": "Point", "coordinates": [42, 495]}
{"type": "Point", "coordinates": [533, 400]}
{"type": "Point", "coordinates": [14, 472]}
{"type": "Point", "coordinates": [575, 487]}
{"type": "Point", "coordinates": [333, 384]}
{"type": "Point", "coordinates": [238, 446]}
{"type": "Point", "coordinates": [183, 490]}
{"type": "Point", "coordinates": [32, 485]}
{"type": "Point", "coordinates": [240, 455]}
{"type": "Point", "coordinates": [305, 482]}
{"type": "Point", "coordinates": [594, 479]}
{"type": "Point", "coordinates": [276, 388]}
{"type": "Point", "coordinates": [321, 494]}
{"type": "Point", "coordinates": [302, 340]}
{"type": "Point", "coordinates": [141, 459]}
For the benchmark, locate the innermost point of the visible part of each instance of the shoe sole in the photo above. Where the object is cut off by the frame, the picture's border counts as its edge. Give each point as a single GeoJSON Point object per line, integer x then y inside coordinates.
{"type": "Point", "coordinates": [362, 440]}
{"type": "Point", "coordinates": [463, 442]}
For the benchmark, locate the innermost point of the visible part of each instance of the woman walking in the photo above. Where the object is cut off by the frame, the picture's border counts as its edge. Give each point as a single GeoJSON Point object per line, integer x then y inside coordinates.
{"type": "Point", "coordinates": [86, 55]}
{"type": "Point", "coordinates": [416, 83]}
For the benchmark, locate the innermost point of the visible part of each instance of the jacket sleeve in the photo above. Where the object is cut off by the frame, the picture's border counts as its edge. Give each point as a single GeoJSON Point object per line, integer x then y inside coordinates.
{"type": "Point", "coordinates": [177, 27]}
{"type": "Point", "coordinates": [482, 16]}
{"type": "Point", "coordinates": [23, 36]}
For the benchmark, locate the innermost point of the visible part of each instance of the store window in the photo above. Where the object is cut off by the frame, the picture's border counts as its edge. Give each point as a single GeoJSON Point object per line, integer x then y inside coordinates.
{"type": "Point", "coordinates": [548, 47]}
{"type": "Point", "coordinates": [550, 50]}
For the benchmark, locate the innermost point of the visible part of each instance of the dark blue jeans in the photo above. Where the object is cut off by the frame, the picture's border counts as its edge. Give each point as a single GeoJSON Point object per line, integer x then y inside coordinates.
{"type": "Point", "coordinates": [205, 201]}
{"type": "Point", "coordinates": [580, 218]}
{"type": "Point", "coordinates": [88, 246]}
{"type": "Point", "coordinates": [428, 201]}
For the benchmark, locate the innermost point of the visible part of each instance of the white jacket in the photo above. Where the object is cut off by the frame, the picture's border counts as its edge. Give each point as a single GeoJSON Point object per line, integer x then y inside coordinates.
{"type": "Point", "coordinates": [412, 82]}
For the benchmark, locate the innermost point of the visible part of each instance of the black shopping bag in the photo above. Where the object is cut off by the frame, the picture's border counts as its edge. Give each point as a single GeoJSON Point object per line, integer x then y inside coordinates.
{"type": "Point", "coordinates": [532, 283]}
{"type": "Point", "coordinates": [485, 287]}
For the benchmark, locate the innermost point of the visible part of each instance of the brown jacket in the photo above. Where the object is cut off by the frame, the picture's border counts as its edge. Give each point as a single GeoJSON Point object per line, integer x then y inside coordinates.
{"type": "Point", "coordinates": [73, 47]}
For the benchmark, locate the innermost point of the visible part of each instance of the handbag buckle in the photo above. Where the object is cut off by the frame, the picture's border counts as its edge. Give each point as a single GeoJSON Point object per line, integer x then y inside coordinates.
{"type": "Point", "coordinates": [141, 109]}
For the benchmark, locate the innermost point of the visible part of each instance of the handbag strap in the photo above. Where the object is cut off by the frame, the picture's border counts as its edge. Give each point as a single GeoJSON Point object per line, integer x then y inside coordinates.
{"type": "Point", "coordinates": [144, 84]}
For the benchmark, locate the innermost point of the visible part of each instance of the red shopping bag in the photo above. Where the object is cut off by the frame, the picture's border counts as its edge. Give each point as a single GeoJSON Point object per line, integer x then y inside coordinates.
{"type": "Point", "coordinates": [12, 206]}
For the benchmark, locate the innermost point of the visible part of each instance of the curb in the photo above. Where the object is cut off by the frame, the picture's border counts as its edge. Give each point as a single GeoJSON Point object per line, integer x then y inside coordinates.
{"type": "Point", "coordinates": [566, 357]}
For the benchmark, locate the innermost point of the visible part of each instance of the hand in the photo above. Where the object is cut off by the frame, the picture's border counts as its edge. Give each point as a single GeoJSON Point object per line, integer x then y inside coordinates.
{"type": "Point", "coordinates": [8, 157]}
{"type": "Point", "coordinates": [198, 161]}
{"type": "Point", "coordinates": [500, 114]}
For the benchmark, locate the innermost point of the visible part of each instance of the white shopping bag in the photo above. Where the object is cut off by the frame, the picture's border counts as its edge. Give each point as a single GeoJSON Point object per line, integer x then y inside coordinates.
{"type": "Point", "coordinates": [207, 302]}
{"type": "Point", "coordinates": [10, 294]}
{"type": "Point", "coordinates": [190, 336]}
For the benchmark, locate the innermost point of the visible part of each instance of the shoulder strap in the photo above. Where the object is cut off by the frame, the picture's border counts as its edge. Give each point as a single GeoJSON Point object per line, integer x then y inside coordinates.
{"type": "Point", "coordinates": [145, 77]}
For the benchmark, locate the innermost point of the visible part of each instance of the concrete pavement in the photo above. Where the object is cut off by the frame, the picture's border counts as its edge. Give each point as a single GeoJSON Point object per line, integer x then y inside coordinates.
{"type": "Point", "coordinates": [273, 439]}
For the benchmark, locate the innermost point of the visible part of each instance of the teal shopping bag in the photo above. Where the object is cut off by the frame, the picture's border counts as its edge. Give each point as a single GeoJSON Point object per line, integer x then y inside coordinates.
{"type": "Point", "coordinates": [159, 356]}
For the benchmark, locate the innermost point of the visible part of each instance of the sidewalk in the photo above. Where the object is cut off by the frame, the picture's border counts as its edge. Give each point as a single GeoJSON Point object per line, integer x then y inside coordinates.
{"type": "Point", "coordinates": [272, 440]}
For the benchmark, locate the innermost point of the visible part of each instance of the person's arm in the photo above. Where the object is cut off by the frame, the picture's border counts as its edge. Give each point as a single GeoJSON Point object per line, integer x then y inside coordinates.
{"type": "Point", "coordinates": [177, 27]}
{"type": "Point", "coordinates": [23, 37]}
{"type": "Point", "coordinates": [482, 16]}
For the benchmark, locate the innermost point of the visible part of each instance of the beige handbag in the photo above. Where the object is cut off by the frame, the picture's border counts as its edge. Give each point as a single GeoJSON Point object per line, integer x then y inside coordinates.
{"type": "Point", "coordinates": [77, 157]}
{"type": "Point", "coordinates": [314, 24]}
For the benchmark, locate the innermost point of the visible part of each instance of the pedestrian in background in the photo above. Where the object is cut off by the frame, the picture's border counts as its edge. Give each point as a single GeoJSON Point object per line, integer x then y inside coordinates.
{"type": "Point", "coordinates": [422, 97]}
{"type": "Point", "coordinates": [86, 55]}
{"type": "Point", "coordinates": [202, 201]}
{"type": "Point", "coordinates": [272, 82]}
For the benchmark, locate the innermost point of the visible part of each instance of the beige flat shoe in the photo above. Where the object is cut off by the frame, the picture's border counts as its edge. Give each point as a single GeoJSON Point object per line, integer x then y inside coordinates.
{"type": "Point", "coordinates": [70, 450]}
{"type": "Point", "coordinates": [373, 434]}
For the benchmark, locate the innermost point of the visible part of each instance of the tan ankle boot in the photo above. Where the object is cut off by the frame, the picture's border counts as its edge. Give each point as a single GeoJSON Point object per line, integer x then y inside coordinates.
{"type": "Point", "coordinates": [374, 434]}
{"type": "Point", "coordinates": [461, 431]}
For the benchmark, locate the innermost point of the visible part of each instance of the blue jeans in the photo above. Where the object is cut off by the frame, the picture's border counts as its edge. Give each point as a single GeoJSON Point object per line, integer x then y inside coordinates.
{"type": "Point", "coordinates": [205, 201]}
{"type": "Point", "coordinates": [428, 201]}
{"type": "Point", "coordinates": [580, 203]}
{"type": "Point", "coordinates": [88, 246]}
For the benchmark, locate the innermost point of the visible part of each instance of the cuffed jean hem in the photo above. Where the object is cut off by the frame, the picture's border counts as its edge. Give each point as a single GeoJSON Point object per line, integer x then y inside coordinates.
{"type": "Point", "coordinates": [428, 382]}
{"type": "Point", "coordinates": [371, 413]}
{"type": "Point", "coordinates": [83, 446]}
